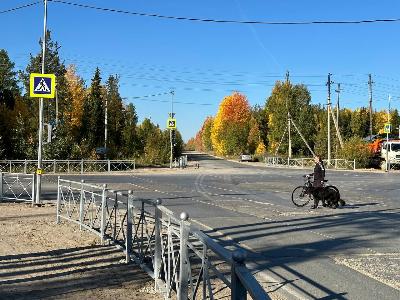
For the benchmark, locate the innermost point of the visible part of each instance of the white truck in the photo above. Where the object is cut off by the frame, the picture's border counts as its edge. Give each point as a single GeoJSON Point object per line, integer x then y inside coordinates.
{"type": "Point", "coordinates": [390, 151]}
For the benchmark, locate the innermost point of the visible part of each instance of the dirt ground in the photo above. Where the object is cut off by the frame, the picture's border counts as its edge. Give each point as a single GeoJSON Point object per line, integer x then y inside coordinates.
{"type": "Point", "coordinates": [42, 260]}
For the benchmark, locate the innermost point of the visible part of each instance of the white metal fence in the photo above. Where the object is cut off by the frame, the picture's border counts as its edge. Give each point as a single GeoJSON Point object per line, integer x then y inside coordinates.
{"type": "Point", "coordinates": [309, 163]}
{"type": "Point", "coordinates": [67, 166]}
{"type": "Point", "coordinates": [180, 258]}
{"type": "Point", "coordinates": [16, 186]}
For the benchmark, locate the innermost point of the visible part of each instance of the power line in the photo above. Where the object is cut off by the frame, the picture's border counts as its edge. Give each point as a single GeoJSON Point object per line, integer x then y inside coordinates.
{"type": "Point", "coordinates": [335, 22]}
{"type": "Point", "coordinates": [20, 7]}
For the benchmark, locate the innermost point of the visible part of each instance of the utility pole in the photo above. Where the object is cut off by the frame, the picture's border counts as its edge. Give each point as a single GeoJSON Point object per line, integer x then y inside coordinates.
{"type": "Point", "coordinates": [171, 115]}
{"type": "Point", "coordinates": [387, 139]}
{"type": "Point", "coordinates": [370, 82]}
{"type": "Point", "coordinates": [105, 125]}
{"type": "Point", "coordinates": [288, 115]}
{"type": "Point", "coordinates": [338, 90]}
{"type": "Point", "coordinates": [337, 111]}
{"type": "Point", "coordinates": [40, 146]}
{"type": "Point", "coordinates": [329, 119]}
{"type": "Point", "coordinates": [56, 108]}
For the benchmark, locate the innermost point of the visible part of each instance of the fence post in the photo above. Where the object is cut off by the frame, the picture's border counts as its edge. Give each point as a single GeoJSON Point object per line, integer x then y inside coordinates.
{"type": "Point", "coordinates": [1, 185]}
{"type": "Point", "coordinates": [354, 164]}
{"type": "Point", "coordinates": [58, 200]}
{"type": "Point", "coordinates": [68, 165]}
{"type": "Point", "coordinates": [10, 167]}
{"type": "Point", "coordinates": [183, 258]}
{"type": "Point", "coordinates": [103, 213]}
{"type": "Point", "coordinates": [157, 243]}
{"type": "Point", "coordinates": [81, 166]}
{"type": "Point", "coordinates": [81, 206]}
{"type": "Point", "coordinates": [25, 166]}
{"type": "Point", "coordinates": [108, 165]}
{"type": "Point", "coordinates": [238, 291]}
{"type": "Point", "coordinates": [54, 166]}
{"type": "Point", "coordinates": [128, 242]}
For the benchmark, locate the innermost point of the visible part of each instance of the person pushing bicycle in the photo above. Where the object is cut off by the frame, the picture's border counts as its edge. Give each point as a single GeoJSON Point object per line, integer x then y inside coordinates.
{"type": "Point", "coordinates": [318, 184]}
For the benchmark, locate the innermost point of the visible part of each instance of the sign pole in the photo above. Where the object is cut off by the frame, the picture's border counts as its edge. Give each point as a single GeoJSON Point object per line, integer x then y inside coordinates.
{"type": "Point", "coordinates": [39, 168]}
{"type": "Point", "coordinates": [170, 131]}
{"type": "Point", "coordinates": [387, 140]}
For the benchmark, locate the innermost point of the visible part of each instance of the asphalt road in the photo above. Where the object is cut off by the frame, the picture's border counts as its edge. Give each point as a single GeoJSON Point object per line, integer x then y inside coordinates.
{"type": "Point", "coordinates": [346, 253]}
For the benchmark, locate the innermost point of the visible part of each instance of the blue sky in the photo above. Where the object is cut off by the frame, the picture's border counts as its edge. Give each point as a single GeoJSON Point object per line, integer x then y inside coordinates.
{"type": "Point", "coordinates": [203, 62]}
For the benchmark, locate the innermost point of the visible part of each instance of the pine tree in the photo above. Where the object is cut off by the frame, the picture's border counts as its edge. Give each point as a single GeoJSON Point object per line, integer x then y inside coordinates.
{"type": "Point", "coordinates": [93, 119]}
{"type": "Point", "coordinates": [52, 65]}
{"type": "Point", "coordinates": [9, 93]}
{"type": "Point", "coordinates": [130, 135]}
{"type": "Point", "coordinates": [115, 112]}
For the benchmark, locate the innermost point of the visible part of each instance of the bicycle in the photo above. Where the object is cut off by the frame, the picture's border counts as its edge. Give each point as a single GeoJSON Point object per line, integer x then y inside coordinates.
{"type": "Point", "coordinates": [302, 194]}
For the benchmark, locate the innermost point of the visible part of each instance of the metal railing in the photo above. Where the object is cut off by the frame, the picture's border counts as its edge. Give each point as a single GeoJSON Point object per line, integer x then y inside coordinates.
{"type": "Point", "coordinates": [183, 261]}
{"type": "Point", "coordinates": [309, 163]}
{"type": "Point", "coordinates": [67, 166]}
{"type": "Point", "coordinates": [16, 186]}
{"type": "Point", "coordinates": [181, 162]}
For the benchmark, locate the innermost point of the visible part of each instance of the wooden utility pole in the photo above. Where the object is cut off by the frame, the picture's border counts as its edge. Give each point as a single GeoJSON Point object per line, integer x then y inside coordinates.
{"type": "Point", "coordinates": [329, 119]}
{"type": "Point", "coordinates": [338, 90]}
{"type": "Point", "coordinates": [288, 115]}
{"type": "Point", "coordinates": [370, 82]}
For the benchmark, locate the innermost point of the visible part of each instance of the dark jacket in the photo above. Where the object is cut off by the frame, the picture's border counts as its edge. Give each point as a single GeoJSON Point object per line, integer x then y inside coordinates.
{"type": "Point", "coordinates": [319, 174]}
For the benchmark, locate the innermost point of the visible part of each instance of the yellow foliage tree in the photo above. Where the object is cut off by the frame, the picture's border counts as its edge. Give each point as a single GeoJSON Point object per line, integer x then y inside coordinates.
{"type": "Point", "coordinates": [230, 130]}
{"type": "Point", "coordinates": [76, 96]}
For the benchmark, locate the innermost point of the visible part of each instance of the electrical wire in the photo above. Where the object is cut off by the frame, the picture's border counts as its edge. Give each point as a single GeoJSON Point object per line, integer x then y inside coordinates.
{"type": "Point", "coordinates": [114, 10]}
{"type": "Point", "coordinates": [20, 7]}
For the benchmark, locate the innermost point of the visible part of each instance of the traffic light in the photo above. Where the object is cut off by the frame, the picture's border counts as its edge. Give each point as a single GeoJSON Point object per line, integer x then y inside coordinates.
{"type": "Point", "coordinates": [51, 132]}
{"type": "Point", "coordinates": [173, 134]}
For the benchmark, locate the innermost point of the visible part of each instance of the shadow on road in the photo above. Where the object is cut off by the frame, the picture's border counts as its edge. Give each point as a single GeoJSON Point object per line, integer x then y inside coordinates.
{"type": "Point", "coordinates": [293, 243]}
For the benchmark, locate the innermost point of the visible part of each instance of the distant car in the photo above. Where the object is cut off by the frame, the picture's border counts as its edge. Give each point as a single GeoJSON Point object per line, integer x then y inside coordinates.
{"type": "Point", "coordinates": [246, 157]}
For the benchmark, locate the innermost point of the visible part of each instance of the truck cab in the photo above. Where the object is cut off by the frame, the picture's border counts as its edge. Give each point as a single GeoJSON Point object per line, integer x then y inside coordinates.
{"type": "Point", "coordinates": [392, 149]}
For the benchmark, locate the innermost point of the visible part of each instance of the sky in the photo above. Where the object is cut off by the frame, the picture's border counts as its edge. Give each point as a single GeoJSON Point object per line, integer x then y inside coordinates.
{"type": "Point", "coordinates": [202, 62]}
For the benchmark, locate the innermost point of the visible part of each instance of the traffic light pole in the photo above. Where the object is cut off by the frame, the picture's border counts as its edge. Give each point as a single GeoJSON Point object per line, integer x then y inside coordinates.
{"type": "Point", "coordinates": [39, 167]}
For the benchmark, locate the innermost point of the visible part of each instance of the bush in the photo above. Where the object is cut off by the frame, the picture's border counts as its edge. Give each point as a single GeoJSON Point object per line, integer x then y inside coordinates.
{"type": "Point", "coordinates": [356, 148]}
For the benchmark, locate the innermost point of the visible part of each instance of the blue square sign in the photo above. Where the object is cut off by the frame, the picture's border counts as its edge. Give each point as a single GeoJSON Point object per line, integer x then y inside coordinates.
{"type": "Point", "coordinates": [42, 85]}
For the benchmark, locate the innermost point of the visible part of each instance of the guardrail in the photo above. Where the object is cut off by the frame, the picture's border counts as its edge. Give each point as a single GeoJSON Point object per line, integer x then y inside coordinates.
{"type": "Point", "coordinates": [181, 259]}
{"type": "Point", "coordinates": [16, 186]}
{"type": "Point", "coordinates": [67, 166]}
{"type": "Point", "coordinates": [336, 163]}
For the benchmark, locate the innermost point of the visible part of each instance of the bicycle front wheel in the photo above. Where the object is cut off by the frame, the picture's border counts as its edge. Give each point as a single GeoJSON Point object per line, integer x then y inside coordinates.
{"type": "Point", "coordinates": [300, 197]}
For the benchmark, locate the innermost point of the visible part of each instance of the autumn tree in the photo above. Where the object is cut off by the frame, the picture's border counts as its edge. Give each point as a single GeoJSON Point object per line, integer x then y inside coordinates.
{"type": "Point", "coordinates": [359, 123]}
{"type": "Point", "coordinates": [261, 117]}
{"type": "Point", "coordinates": [206, 134]}
{"type": "Point", "coordinates": [294, 99]}
{"type": "Point", "coordinates": [253, 138]}
{"type": "Point", "coordinates": [230, 129]}
{"type": "Point", "coordinates": [76, 95]}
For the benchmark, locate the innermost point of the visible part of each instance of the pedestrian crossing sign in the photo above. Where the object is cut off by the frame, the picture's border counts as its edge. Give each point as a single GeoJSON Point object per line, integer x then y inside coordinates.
{"type": "Point", "coordinates": [387, 128]}
{"type": "Point", "coordinates": [42, 85]}
{"type": "Point", "coordinates": [171, 123]}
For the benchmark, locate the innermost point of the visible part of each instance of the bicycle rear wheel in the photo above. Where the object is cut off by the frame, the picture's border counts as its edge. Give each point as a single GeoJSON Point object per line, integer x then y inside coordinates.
{"type": "Point", "coordinates": [300, 197]}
